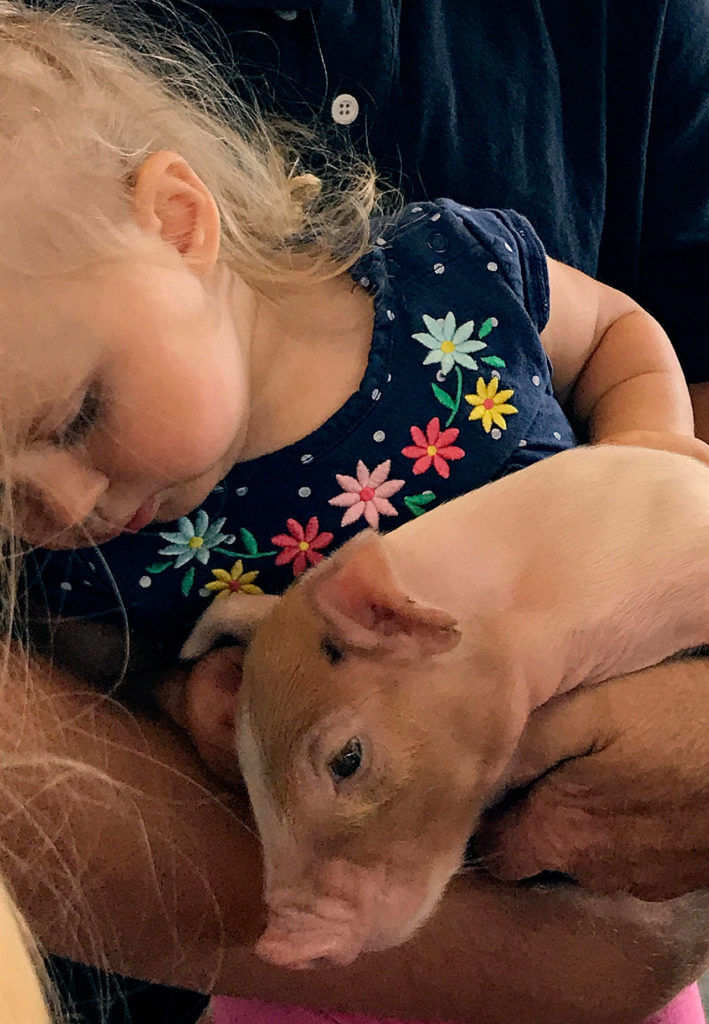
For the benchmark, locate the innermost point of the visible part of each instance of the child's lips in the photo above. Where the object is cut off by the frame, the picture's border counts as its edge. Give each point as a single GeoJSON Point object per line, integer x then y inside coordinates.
{"type": "Point", "coordinates": [142, 517]}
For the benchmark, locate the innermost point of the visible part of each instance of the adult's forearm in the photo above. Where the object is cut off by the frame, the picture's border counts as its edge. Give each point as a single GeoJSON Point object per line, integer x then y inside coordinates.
{"type": "Point", "coordinates": [133, 863]}
{"type": "Point", "coordinates": [115, 841]}
{"type": "Point", "coordinates": [498, 955]}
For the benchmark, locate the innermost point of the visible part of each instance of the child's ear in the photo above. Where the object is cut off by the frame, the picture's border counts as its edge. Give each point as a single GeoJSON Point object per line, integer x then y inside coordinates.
{"type": "Point", "coordinates": [169, 200]}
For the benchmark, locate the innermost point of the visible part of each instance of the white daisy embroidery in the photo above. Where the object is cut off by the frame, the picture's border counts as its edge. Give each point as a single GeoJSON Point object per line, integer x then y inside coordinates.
{"type": "Point", "coordinates": [193, 541]}
{"type": "Point", "coordinates": [449, 344]}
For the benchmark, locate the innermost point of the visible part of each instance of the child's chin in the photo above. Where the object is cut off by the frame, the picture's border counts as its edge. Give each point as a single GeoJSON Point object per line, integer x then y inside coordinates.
{"type": "Point", "coordinates": [189, 499]}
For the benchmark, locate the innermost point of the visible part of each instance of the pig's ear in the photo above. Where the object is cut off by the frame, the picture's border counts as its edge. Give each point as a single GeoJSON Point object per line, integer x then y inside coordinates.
{"type": "Point", "coordinates": [232, 618]}
{"type": "Point", "coordinates": [367, 609]}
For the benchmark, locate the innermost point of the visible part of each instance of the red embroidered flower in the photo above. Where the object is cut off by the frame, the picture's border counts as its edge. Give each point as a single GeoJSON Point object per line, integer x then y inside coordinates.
{"type": "Point", "coordinates": [302, 546]}
{"type": "Point", "coordinates": [434, 447]}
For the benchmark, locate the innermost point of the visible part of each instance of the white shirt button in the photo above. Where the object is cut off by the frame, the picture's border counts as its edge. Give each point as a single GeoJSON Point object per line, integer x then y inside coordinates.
{"type": "Point", "coordinates": [286, 15]}
{"type": "Point", "coordinates": [344, 109]}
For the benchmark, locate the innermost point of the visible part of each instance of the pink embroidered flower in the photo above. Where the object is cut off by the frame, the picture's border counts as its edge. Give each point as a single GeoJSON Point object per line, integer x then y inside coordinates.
{"type": "Point", "coordinates": [302, 546]}
{"type": "Point", "coordinates": [434, 447]}
{"type": "Point", "coordinates": [367, 495]}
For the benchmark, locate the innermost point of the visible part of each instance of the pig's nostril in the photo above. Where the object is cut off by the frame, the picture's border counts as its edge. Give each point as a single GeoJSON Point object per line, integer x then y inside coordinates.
{"type": "Point", "coordinates": [320, 961]}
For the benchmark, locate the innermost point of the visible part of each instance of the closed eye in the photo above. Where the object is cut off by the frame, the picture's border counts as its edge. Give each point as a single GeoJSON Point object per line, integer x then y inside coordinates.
{"type": "Point", "coordinates": [83, 421]}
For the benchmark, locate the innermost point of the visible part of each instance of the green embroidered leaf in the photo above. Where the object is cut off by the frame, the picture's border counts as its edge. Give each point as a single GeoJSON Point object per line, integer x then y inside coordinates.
{"type": "Point", "coordinates": [486, 327]}
{"type": "Point", "coordinates": [187, 581]}
{"type": "Point", "coordinates": [416, 503]}
{"type": "Point", "coordinates": [494, 361]}
{"type": "Point", "coordinates": [158, 567]}
{"type": "Point", "coordinates": [243, 554]}
{"type": "Point", "coordinates": [426, 498]}
{"type": "Point", "coordinates": [443, 397]}
{"type": "Point", "coordinates": [249, 541]}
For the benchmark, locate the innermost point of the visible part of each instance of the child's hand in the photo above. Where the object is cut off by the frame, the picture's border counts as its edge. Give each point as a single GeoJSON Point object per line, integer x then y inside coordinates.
{"type": "Point", "coordinates": [683, 444]}
{"type": "Point", "coordinates": [619, 798]}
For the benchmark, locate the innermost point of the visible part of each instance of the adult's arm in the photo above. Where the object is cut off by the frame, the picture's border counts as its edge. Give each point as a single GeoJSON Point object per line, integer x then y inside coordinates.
{"type": "Point", "coordinates": [621, 800]}
{"type": "Point", "coordinates": [121, 854]}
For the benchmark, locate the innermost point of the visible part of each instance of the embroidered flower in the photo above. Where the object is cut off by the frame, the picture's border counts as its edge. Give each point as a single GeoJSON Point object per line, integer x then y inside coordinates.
{"type": "Point", "coordinates": [434, 448]}
{"type": "Point", "coordinates": [367, 494]}
{"type": "Point", "coordinates": [193, 541]}
{"type": "Point", "coordinates": [449, 344]}
{"type": "Point", "coordinates": [234, 581]}
{"type": "Point", "coordinates": [490, 405]}
{"type": "Point", "coordinates": [302, 546]}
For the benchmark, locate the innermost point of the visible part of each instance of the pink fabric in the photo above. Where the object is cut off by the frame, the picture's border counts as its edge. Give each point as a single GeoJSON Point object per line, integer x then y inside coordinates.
{"type": "Point", "coordinates": [685, 1009]}
{"type": "Point", "coordinates": [252, 1011]}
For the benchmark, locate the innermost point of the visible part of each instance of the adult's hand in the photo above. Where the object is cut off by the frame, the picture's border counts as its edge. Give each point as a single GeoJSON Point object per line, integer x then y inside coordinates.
{"type": "Point", "coordinates": [615, 788]}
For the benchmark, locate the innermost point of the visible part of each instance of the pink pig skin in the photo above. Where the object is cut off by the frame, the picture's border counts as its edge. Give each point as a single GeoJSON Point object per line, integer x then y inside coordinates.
{"type": "Point", "coordinates": [431, 646]}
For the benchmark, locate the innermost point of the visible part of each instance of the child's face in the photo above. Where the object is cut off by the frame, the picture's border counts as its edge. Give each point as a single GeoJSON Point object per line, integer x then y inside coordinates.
{"type": "Point", "coordinates": [123, 395]}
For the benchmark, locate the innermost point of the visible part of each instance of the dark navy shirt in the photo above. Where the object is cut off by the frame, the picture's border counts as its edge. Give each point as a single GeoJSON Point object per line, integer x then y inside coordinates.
{"type": "Point", "coordinates": [456, 392]}
{"type": "Point", "coordinates": [591, 117]}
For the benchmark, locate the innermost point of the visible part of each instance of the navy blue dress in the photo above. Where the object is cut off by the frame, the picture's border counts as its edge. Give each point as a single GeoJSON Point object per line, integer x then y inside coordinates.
{"type": "Point", "coordinates": [457, 392]}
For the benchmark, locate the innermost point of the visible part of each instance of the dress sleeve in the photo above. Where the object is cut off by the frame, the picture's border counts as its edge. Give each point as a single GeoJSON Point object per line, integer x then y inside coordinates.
{"type": "Point", "coordinates": [517, 251]}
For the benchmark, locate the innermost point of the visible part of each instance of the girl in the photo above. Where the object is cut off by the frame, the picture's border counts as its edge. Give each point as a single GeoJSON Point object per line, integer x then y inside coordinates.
{"type": "Point", "coordinates": [215, 366]}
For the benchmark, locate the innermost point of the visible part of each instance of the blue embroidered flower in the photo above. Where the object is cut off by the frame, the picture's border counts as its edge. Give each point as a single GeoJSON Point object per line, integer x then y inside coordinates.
{"type": "Point", "coordinates": [193, 541]}
{"type": "Point", "coordinates": [449, 344]}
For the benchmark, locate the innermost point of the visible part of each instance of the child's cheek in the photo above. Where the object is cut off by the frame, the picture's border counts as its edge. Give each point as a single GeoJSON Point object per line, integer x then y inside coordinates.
{"type": "Point", "coordinates": [178, 429]}
{"type": "Point", "coordinates": [204, 410]}
{"type": "Point", "coordinates": [192, 444]}
{"type": "Point", "coordinates": [213, 427]}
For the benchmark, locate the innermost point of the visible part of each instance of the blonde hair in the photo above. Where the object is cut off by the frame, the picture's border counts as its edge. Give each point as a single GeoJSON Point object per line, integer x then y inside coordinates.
{"type": "Point", "coordinates": [81, 109]}
{"type": "Point", "coordinates": [23, 988]}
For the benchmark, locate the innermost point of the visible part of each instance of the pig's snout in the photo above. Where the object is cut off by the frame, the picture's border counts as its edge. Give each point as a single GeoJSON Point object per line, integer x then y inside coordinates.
{"type": "Point", "coordinates": [320, 912]}
{"type": "Point", "coordinates": [299, 937]}
{"type": "Point", "coordinates": [333, 912]}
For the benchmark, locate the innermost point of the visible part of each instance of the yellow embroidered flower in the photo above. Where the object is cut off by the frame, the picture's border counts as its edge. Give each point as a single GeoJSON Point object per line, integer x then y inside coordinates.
{"type": "Point", "coordinates": [236, 581]}
{"type": "Point", "coordinates": [490, 405]}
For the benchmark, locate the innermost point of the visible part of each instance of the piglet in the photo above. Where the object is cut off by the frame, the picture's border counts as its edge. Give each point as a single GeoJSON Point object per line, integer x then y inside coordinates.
{"type": "Point", "coordinates": [384, 695]}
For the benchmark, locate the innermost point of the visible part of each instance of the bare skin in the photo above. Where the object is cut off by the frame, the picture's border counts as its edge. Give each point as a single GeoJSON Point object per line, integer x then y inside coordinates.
{"type": "Point", "coordinates": [147, 857]}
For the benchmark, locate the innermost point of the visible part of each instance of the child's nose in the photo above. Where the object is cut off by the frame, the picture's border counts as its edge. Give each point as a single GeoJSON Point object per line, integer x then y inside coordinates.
{"type": "Point", "coordinates": [66, 487]}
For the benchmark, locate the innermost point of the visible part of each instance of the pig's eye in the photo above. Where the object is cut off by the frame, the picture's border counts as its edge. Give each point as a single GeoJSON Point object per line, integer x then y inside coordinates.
{"type": "Point", "coordinates": [332, 651]}
{"type": "Point", "coordinates": [347, 761]}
